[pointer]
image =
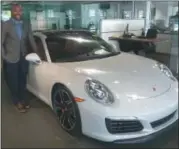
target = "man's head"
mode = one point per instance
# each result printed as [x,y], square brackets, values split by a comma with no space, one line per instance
[16,11]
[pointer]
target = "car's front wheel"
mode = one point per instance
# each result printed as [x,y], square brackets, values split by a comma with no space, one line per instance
[66,110]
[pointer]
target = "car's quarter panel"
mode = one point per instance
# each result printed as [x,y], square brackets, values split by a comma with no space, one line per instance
[43,77]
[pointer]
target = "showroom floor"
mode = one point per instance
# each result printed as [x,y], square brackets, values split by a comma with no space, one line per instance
[39,129]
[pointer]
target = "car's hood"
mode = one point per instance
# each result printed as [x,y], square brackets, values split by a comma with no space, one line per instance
[126,74]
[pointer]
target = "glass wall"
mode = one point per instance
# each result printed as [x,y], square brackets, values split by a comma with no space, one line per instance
[161,12]
[60,15]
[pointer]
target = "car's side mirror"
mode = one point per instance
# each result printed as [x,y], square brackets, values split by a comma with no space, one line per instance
[33,58]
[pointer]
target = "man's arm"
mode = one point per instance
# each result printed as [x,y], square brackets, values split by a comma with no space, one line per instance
[31,39]
[3,38]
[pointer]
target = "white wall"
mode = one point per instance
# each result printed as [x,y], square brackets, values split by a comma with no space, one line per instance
[111,13]
[163,11]
[85,14]
[138,6]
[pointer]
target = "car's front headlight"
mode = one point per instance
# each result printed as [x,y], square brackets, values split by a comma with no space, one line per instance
[166,71]
[99,92]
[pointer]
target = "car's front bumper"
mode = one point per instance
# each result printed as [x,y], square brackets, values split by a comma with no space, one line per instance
[148,138]
[93,119]
[94,126]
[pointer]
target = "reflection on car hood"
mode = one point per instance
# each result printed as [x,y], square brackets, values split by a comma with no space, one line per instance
[129,74]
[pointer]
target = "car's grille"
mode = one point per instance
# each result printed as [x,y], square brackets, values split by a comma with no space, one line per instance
[163,120]
[123,126]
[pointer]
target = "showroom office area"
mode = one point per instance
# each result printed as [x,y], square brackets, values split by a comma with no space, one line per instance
[120,25]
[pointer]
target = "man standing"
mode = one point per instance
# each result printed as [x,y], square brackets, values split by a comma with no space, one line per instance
[16,36]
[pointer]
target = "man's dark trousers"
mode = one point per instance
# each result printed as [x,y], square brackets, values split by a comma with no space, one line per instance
[16,79]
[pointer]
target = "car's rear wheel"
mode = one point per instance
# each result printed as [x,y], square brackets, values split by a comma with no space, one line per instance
[66,110]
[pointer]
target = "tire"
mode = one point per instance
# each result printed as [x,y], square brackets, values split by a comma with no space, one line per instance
[60,106]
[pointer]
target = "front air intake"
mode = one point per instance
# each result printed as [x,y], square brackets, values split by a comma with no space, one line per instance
[163,120]
[123,126]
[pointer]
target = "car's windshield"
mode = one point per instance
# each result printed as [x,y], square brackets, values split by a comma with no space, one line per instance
[78,47]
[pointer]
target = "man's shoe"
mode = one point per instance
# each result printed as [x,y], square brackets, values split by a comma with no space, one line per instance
[20,108]
[27,106]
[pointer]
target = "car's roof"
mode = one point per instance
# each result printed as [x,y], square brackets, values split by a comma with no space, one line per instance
[63,32]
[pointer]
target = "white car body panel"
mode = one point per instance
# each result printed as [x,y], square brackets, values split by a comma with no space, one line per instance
[141,91]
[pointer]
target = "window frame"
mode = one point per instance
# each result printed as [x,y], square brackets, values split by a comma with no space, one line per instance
[43,41]
[67,40]
[46,40]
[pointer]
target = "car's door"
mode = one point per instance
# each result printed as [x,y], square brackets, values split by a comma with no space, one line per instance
[37,73]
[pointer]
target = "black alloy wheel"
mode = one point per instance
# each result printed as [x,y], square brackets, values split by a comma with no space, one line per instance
[66,110]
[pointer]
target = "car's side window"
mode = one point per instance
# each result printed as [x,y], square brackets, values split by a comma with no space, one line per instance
[56,48]
[40,48]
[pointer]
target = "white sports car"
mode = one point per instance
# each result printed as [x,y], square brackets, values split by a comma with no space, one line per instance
[100,92]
